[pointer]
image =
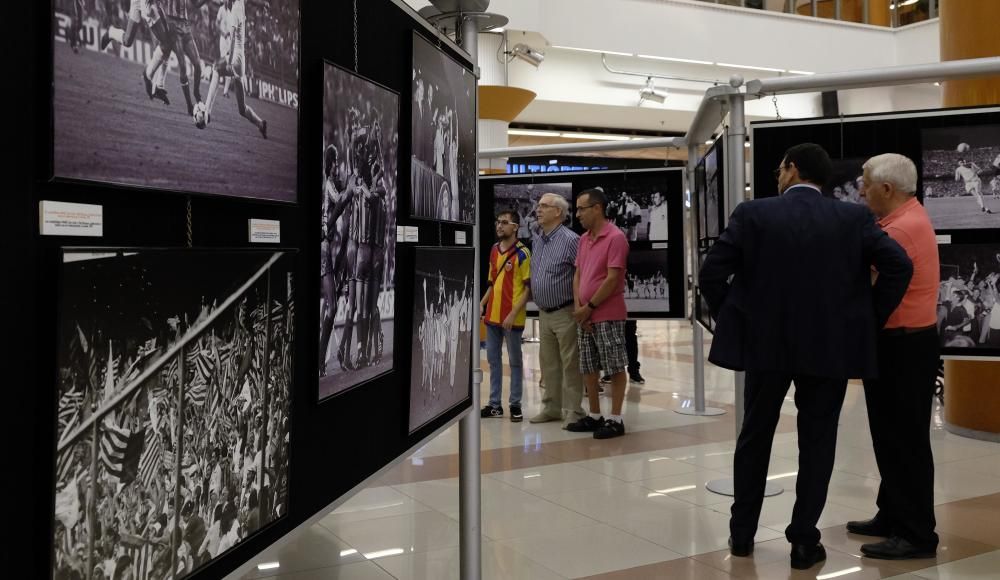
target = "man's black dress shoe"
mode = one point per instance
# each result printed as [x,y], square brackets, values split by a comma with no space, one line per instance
[741,549]
[896,548]
[804,556]
[872,527]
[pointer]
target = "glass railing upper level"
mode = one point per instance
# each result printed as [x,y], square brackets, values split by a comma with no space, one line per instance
[889,13]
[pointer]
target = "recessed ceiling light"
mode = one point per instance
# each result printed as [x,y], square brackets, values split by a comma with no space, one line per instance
[268,565]
[532,133]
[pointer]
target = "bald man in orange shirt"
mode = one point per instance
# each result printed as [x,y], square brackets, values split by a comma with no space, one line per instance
[899,401]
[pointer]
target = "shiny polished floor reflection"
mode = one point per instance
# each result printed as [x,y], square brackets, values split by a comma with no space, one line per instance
[563,505]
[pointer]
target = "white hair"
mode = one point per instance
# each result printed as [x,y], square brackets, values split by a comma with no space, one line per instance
[893,168]
[558,201]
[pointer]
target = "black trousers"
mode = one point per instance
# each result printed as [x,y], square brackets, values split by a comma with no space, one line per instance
[819,401]
[899,415]
[632,347]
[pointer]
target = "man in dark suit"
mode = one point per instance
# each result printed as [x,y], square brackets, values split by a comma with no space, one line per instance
[790,281]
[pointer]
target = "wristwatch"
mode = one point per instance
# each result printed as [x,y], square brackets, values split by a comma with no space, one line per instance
[591,305]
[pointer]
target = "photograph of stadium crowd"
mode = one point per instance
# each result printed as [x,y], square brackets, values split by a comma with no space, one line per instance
[969,296]
[961,176]
[358,233]
[443,172]
[196,96]
[443,320]
[173,386]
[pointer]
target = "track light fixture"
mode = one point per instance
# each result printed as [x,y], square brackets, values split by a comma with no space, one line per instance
[527,54]
[651,93]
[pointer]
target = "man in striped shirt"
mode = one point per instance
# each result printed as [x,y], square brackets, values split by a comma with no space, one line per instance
[503,312]
[553,265]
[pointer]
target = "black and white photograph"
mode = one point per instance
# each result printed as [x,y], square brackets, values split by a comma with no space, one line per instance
[961,176]
[714,189]
[702,312]
[646,287]
[193,96]
[443,322]
[174,376]
[443,172]
[846,182]
[522,198]
[358,242]
[637,204]
[969,296]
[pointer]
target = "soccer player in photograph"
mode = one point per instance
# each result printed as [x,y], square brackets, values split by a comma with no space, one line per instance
[995,186]
[76,26]
[332,250]
[968,172]
[140,11]
[234,64]
[656,229]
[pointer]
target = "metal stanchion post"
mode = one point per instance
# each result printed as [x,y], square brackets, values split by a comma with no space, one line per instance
[736,172]
[697,332]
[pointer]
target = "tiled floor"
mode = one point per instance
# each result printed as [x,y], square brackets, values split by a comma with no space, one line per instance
[562,505]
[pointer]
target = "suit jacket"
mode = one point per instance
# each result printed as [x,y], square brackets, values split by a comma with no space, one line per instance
[790,283]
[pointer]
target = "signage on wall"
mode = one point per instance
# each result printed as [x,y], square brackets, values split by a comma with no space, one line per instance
[265,231]
[57,218]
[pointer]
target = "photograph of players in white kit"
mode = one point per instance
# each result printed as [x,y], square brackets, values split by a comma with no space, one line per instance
[646,287]
[959,175]
[358,241]
[443,172]
[638,206]
[522,198]
[969,296]
[443,320]
[846,181]
[117,114]
[713,204]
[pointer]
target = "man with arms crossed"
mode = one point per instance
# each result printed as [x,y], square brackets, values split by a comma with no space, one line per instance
[899,400]
[599,298]
[552,265]
[789,283]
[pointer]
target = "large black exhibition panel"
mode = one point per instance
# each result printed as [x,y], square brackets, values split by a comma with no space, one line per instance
[216,276]
[646,204]
[957,155]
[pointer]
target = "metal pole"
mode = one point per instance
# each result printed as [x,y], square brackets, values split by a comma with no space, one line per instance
[836,9]
[92,501]
[815,8]
[894,10]
[736,183]
[590,146]
[697,332]
[469,490]
[864,11]
[265,365]
[178,456]
[933,9]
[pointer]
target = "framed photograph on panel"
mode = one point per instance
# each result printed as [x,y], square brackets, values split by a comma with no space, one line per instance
[846,180]
[961,176]
[646,285]
[358,239]
[969,299]
[637,204]
[216,113]
[523,198]
[443,170]
[444,318]
[174,378]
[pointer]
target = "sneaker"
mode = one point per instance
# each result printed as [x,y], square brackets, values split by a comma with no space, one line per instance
[161,94]
[586,424]
[105,40]
[609,428]
[491,411]
[636,378]
[515,414]
[606,380]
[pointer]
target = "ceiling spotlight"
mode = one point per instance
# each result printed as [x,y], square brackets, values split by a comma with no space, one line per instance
[528,54]
[651,93]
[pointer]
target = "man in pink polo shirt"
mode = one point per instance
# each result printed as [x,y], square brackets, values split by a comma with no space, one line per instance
[599,295]
[899,400]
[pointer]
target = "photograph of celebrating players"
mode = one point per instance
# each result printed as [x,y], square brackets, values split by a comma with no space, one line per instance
[443,170]
[846,181]
[969,296]
[638,204]
[443,320]
[522,199]
[960,165]
[646,287]
[358,242]
[174,386]
[194,96]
